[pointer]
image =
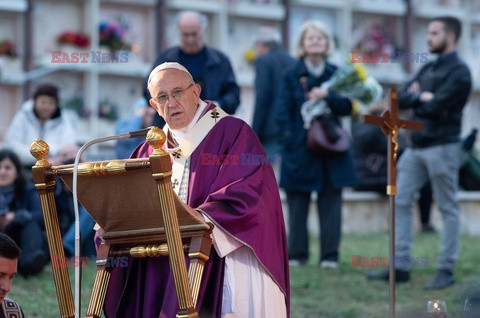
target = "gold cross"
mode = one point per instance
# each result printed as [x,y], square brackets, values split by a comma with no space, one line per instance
[390,124]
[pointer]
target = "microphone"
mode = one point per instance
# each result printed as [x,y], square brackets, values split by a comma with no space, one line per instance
[128,135]
[133,134]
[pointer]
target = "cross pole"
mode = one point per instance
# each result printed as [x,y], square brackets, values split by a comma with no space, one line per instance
[390,124]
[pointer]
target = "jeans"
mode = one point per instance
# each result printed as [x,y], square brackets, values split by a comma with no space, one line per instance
[440,165]
[86,235]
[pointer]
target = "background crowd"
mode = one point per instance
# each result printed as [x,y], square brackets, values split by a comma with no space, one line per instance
[284,84]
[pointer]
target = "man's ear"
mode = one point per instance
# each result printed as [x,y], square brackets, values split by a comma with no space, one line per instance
[153,104]
[452,38]
[198,89]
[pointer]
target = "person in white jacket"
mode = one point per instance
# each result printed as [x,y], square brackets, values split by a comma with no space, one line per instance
[41,117]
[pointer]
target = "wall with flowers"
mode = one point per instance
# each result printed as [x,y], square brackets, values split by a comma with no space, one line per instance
[135,23]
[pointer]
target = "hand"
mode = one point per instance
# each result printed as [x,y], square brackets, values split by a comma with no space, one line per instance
[68,153]
[426,96]
[65,155]
[318,93]
[414,87]
[6,219]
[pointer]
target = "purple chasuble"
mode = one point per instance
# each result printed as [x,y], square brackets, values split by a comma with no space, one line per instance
[233,182]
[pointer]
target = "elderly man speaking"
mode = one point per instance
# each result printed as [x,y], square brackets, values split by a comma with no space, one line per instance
[221,171]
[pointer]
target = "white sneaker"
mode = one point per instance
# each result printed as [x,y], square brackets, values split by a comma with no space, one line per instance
[294,263]
[329,264]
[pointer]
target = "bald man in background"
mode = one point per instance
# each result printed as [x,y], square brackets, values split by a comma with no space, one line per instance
[210,68]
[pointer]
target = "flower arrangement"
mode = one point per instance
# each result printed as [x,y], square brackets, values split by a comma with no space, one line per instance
[249,56]
[8,48]
[375,36]
[350,80]
[112,35]
[77,39]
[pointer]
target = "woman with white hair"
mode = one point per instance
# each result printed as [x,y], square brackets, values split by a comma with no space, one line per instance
[304,171]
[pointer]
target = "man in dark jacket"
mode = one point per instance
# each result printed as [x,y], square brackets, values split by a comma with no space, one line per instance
[437,95]
[272,59]
[209,67]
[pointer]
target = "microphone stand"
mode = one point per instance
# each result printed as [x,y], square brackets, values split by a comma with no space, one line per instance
[78,281]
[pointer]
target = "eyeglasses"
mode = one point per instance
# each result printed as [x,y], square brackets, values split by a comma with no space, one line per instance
[177,94]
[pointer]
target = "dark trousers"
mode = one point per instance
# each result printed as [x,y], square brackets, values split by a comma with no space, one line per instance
[329,208]
[29,238]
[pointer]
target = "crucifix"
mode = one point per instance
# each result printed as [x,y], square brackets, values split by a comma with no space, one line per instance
[391,124]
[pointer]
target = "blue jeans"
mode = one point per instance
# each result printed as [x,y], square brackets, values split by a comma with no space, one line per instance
[274,150]
[86,235]
[440,165]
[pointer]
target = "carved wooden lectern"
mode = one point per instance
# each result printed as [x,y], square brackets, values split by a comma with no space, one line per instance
[134,204]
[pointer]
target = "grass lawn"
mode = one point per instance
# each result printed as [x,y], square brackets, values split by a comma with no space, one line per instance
[317,292]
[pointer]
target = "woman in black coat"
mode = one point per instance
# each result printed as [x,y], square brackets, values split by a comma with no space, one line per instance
[303,171]
[20,212]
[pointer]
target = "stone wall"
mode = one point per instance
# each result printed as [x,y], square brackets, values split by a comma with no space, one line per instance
[367,212]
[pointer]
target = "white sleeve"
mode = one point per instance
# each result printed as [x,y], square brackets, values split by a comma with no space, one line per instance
[223,243]
[15,139]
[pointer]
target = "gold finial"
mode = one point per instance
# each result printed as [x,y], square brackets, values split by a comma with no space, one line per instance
[39,149]
[156,138]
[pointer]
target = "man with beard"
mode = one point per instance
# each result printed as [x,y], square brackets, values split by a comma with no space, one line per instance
[437,95]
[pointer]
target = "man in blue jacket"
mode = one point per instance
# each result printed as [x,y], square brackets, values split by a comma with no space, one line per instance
[209,67]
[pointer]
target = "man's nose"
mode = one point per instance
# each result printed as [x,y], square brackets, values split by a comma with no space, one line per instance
[5,285]
[171,101]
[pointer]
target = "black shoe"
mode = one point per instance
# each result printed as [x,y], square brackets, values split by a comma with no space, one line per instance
[428,228]
[443,279]
[401,276]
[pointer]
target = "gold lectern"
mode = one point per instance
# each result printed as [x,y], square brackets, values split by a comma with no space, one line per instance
[134,204]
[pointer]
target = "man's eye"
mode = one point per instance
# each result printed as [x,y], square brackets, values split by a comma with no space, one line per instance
[176,93]
[162,97]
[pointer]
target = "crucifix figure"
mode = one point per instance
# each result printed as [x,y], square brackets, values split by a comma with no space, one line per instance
[391,124]
[175,183]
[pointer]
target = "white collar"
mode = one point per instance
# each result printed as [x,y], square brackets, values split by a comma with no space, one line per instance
[315,70]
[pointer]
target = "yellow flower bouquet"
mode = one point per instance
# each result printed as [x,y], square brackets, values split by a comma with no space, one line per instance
[352,81]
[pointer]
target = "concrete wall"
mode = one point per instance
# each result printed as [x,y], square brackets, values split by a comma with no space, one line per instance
[367,212]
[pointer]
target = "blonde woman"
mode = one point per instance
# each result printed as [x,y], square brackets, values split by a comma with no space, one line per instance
[303,171]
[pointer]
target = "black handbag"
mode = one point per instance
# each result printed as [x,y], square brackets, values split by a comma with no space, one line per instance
[327,138]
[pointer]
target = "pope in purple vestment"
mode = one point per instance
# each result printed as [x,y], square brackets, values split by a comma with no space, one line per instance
[232,182]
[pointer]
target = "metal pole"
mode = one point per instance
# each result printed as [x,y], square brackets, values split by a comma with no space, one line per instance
[392,256]
[391,192]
